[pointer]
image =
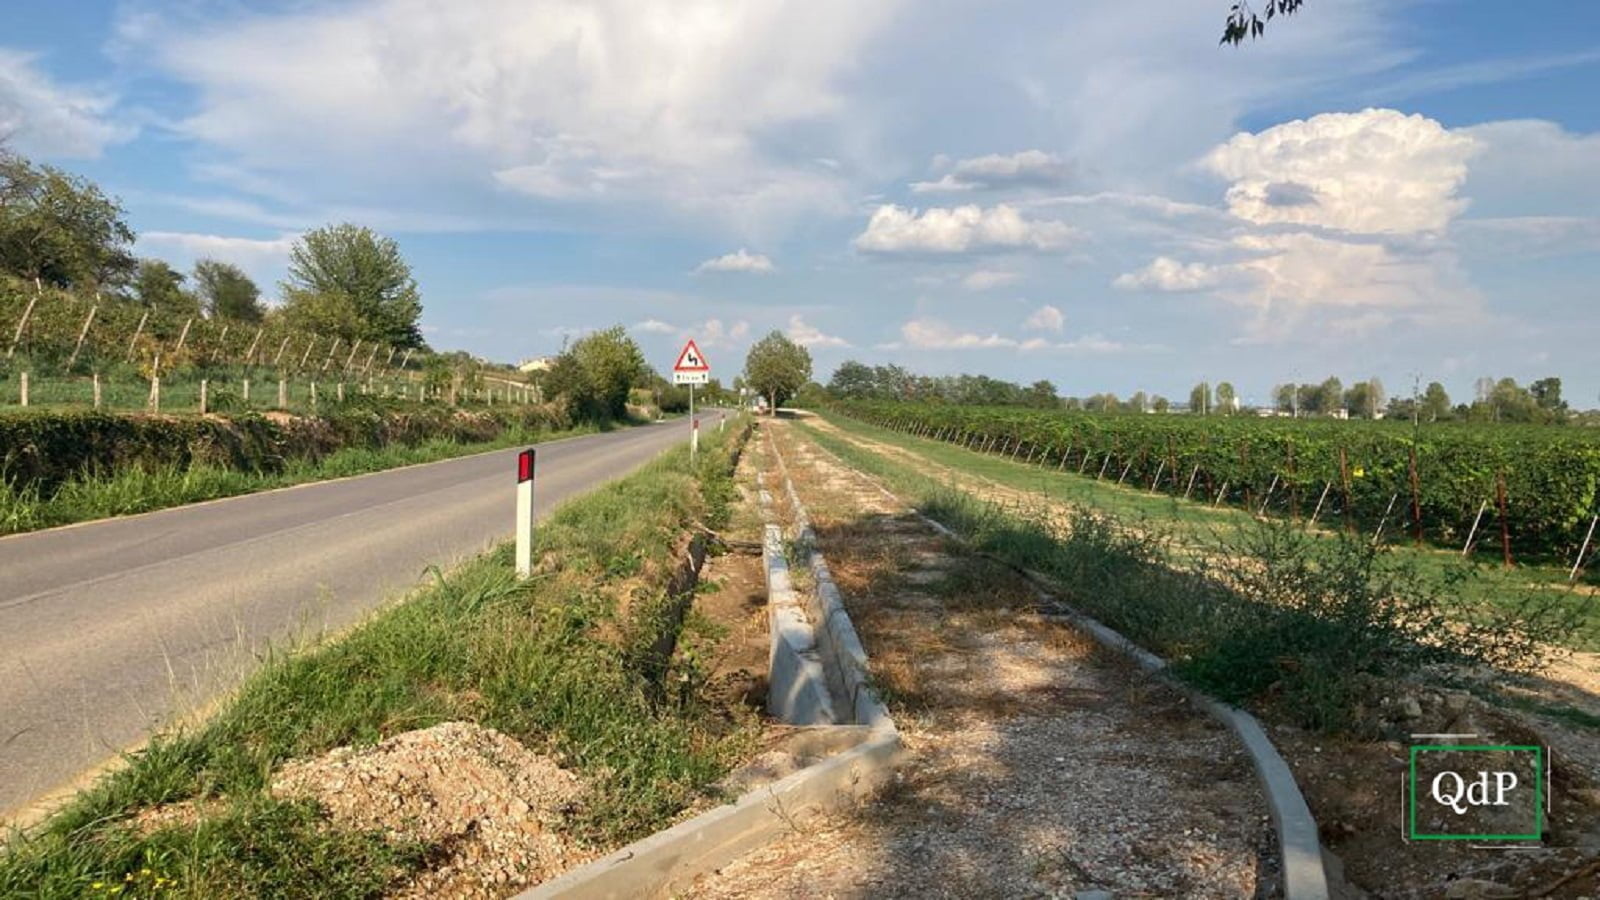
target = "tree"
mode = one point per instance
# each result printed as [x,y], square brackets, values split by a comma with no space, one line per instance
[1243,22]
[1138,402]
[1435,403]
[852,381]
[60,228]
[1042,394]
[160,287]
[354,270]
[1227,398]
[1547,394]
[1160,404]
[226,292]
[1200,398]
[776,367]
[1283,396]
[1329,396]
[594,375]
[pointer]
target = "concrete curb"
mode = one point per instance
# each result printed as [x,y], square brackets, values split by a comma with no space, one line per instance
[837,639]
[672,858]
[1304,877]
[798,693]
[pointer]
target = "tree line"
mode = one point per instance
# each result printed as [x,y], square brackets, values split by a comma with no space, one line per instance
[62,231]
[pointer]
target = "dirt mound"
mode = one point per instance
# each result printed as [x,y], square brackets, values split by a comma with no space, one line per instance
[499,810]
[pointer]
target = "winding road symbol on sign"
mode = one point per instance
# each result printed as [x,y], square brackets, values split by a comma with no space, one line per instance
[691,367]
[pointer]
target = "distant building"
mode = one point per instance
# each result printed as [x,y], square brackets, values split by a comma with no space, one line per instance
[537,364]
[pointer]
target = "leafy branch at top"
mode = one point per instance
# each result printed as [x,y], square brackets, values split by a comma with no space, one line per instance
[1243,21]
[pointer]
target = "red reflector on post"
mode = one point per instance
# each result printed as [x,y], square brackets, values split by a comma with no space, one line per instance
[524,466]
[697,423]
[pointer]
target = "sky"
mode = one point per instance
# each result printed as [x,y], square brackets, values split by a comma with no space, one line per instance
[1090,192]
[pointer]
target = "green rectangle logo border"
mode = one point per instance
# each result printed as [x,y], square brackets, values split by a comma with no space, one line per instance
[1538,793]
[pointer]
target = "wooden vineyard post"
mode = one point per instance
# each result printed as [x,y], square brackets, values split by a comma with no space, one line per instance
[250,351]
[222,339]
[137,330]
[1344,483]
[370,357]
[155,393]
[313,395]
[97,390]
[352,356]
[1294,492]
[22,325]
[283,393]
[277,356]
[24,385]
[203,398]
[1416,498]
[245,393]
[1244,466]
[331,351]
[307,355]
[1505,526]
[339,392]
[82,333]
[183,336]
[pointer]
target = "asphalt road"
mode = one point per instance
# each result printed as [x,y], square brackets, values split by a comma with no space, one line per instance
[110,628]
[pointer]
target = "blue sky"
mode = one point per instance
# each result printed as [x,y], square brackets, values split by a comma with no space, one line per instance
[1090,192]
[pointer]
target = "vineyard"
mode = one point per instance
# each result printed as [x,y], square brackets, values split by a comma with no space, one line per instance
[1523,490]
[65,350]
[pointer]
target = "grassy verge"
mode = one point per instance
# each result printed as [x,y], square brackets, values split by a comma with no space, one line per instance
[140,490]
[1197,527]
[1308,630]
[555,662]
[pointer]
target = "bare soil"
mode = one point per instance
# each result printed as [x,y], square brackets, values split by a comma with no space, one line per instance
[1355,787]
[1036,765]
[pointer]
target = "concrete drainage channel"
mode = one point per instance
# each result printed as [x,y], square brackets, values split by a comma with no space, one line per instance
[817,679]
[1306,864]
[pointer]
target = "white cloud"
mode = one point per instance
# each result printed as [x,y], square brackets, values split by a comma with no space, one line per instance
[655,326]
[984,279]
[1045,318]
[1167,274]
[715,333]
[558,101]
[264,260]
[50,119]
[1029,168]
[1374,171]
[932,334]
[961,229]
[810,336]
[740,260]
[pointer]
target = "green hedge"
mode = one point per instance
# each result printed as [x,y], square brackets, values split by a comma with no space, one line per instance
[45,449]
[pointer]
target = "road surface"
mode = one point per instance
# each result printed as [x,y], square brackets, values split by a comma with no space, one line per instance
[109,628]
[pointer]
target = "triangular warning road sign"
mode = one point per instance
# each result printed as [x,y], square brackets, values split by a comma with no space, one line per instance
[691,360]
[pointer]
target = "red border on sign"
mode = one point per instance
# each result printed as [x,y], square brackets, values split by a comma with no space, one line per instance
[705,366]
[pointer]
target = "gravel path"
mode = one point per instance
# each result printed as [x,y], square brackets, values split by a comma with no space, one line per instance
[1037,766]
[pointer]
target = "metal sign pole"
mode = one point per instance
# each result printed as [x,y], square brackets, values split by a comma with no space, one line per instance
[694,427]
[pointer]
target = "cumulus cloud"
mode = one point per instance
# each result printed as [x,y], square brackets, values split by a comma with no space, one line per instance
[810,336]
[655,326]
[1374,171]
[265,260]
[1167,274]
[716,333]
[984,279]
[932,334]
[1029,168]
[1045,318]
[559,101]
[51,119]
[740,260]
[962,229]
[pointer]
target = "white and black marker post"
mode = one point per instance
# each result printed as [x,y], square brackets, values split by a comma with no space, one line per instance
[525,469]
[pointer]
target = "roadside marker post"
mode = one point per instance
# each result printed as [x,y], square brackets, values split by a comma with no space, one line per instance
[525,471]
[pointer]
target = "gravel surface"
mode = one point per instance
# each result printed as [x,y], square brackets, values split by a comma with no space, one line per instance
[500,809]
[1037,766]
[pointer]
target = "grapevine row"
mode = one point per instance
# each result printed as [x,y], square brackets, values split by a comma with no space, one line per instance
[1528,489]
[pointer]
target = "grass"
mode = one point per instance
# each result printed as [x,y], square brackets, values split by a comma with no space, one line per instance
[140,490]
[1306,629]
[1194,526]
[552,661]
